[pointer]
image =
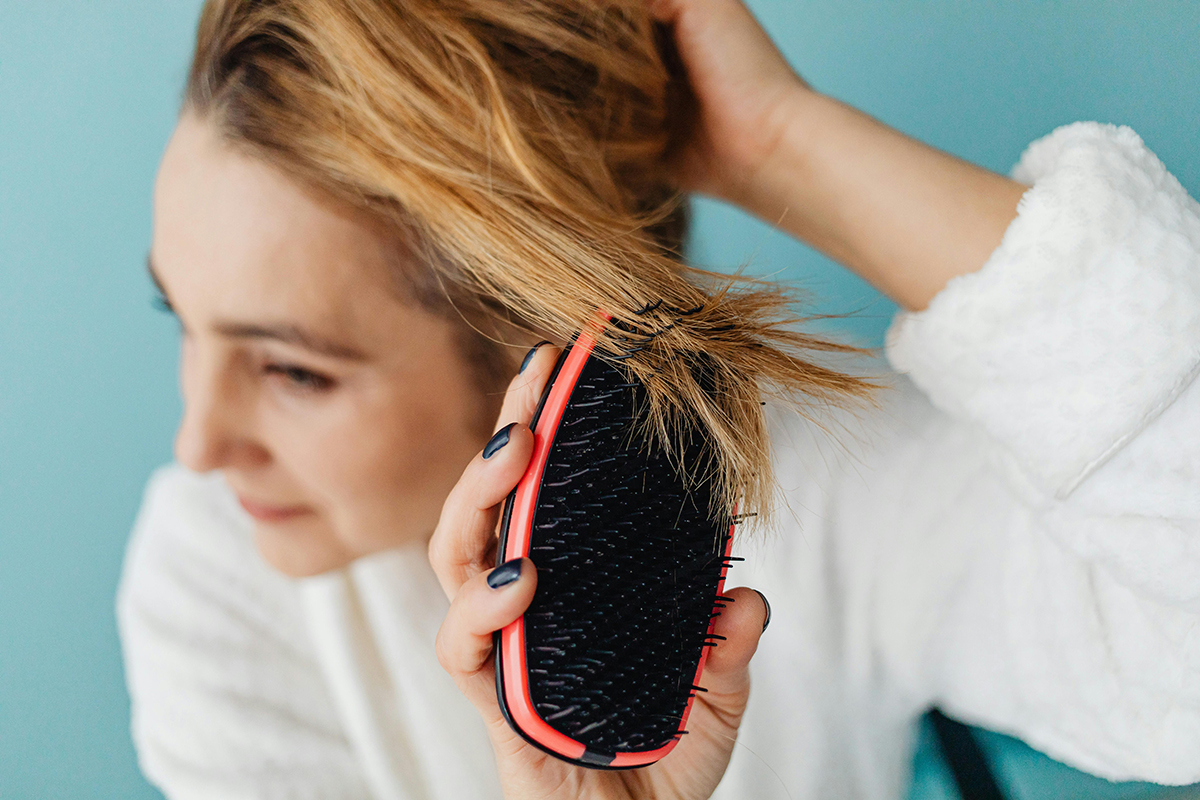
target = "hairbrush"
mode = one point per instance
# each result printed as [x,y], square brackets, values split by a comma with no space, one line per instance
[602,669]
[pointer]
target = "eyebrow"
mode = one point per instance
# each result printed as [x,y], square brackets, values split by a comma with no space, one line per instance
[282,332]
[290,334]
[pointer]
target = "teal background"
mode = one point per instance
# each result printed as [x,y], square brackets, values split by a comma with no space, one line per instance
[88,403]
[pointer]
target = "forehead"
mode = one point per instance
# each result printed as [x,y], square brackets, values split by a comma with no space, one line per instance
[236,233]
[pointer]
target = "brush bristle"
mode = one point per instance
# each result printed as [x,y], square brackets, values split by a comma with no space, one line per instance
[629,560]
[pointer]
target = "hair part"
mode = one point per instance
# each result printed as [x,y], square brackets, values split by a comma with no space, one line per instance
[521,151]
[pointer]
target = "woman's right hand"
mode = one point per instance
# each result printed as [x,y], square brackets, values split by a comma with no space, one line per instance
[900,214]
[462,550]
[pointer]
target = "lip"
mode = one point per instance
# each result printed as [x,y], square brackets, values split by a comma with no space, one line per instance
[264,512]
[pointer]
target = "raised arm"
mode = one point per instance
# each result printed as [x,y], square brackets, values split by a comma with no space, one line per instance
[1028,557]
[904,216]
[1067,368]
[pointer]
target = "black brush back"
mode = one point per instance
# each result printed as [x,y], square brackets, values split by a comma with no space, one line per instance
[630,560]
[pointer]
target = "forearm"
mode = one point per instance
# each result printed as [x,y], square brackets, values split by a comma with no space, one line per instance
[904,216]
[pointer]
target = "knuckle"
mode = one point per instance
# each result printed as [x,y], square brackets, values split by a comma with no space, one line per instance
[438,552]
[455,498]
[443,651]
[442,541]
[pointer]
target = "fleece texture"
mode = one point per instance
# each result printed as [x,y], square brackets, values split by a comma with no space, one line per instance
[1014,535]
[1085,322]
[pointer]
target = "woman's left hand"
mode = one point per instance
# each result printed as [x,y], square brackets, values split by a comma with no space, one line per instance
[462,550]
[744,90]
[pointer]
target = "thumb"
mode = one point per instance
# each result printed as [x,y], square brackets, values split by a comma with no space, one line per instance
[701,758]
[726,679]
[742,622]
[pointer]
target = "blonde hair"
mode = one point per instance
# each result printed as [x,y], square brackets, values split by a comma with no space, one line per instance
[520,148]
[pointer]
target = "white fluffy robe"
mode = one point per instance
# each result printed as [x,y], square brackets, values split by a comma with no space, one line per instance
[1014,536]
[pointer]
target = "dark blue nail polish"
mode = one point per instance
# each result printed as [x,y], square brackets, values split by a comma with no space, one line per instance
[530,354]
[498,440]
[766,621]
[506,573]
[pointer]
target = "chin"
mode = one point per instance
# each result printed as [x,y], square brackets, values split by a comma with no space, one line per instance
[300,551]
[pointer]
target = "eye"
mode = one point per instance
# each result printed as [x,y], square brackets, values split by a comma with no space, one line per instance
[300,378]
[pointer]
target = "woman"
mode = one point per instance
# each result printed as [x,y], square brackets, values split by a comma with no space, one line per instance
[369,210]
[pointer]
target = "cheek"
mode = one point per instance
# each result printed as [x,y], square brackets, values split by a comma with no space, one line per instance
[383,466]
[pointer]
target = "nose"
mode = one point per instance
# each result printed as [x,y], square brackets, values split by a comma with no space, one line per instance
[216,430]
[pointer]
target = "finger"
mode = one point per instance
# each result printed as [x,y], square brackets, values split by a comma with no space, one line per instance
[726,678]
[717,711]
[728,27]
[484,604]
[741,623]
[525,389]
[662,10]
[463,542]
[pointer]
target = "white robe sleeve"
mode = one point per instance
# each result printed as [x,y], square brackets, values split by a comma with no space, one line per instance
[1073,354]
[227,699]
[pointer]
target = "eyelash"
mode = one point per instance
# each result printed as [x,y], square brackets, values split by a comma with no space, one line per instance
[300,378]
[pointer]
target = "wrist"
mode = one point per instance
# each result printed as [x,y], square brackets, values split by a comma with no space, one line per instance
[904,216]
[766,185]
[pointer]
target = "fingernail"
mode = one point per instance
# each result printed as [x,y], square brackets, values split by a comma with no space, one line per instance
[505,574]
[530,354]
[498,440]
[766,621]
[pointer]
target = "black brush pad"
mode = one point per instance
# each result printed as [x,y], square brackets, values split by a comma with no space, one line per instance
[629,560]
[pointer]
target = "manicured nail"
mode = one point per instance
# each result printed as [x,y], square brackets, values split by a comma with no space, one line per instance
[505,574]
[498,440]
[530,354]
[766,621]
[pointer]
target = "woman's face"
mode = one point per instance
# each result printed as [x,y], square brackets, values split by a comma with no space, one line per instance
[339,413]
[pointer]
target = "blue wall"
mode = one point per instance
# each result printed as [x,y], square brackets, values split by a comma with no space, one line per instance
[88,93]
[88,403]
